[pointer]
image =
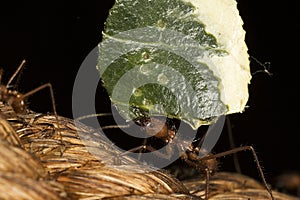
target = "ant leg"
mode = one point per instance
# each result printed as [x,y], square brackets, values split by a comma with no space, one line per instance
[52,100]
[41,88]
[244,148]
[207,172]
[149,148]
[144,148]
[201,167]
[102,115]
[139,148]
[117,160]
[114,126]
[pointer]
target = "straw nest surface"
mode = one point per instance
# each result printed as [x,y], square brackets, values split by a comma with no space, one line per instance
[40,159]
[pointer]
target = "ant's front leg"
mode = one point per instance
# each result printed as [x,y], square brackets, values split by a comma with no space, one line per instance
[139,150]
[145,147]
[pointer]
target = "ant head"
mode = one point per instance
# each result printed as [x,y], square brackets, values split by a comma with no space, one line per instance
[158,127]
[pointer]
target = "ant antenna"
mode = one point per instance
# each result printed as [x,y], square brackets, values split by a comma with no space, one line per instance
[15,74]
[266,67]
[93,115]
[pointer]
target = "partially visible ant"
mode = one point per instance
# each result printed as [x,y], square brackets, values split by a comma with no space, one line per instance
[166,131]
[16,99]
[207,164]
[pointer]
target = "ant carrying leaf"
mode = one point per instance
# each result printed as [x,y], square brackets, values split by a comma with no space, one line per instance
[166,132]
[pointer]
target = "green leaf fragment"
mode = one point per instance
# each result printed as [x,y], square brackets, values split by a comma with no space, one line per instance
[170,14]
[157,58]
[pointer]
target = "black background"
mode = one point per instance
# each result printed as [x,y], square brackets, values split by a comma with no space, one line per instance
[55,37]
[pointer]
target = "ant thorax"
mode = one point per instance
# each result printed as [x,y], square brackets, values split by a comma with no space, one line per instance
[12,98]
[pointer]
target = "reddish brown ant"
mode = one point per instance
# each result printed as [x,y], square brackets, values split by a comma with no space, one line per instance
[16,99]
[207,164]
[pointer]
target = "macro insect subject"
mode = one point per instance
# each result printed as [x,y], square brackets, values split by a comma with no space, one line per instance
[16,99]
[165,131]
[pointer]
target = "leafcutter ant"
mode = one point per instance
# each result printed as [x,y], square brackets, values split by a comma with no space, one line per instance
[206,164]
[166,131]
[17,100]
